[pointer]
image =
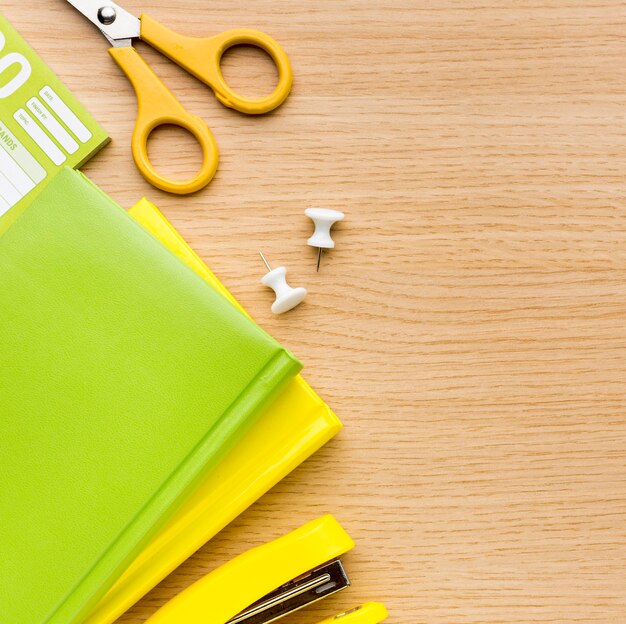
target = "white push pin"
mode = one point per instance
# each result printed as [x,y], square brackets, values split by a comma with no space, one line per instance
[324,219]
[287,297]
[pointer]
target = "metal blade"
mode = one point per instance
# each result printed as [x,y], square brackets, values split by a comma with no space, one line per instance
[118,25]
[305,590]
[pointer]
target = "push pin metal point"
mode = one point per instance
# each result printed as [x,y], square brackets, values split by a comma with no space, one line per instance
[324,219]
[287,297]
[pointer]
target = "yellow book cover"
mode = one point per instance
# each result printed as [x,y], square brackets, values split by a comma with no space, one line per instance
[292,428]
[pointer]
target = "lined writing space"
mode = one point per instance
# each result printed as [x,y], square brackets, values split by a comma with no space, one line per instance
[50,123]
[50,97]
[9,192]
[19,170]
[4,207]
[14,183]
[36,133]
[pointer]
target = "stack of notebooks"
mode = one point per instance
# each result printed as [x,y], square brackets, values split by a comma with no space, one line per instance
[141,410]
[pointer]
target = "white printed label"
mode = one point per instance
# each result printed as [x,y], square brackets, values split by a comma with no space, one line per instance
[15,174]
[64,113]
[4,207]
[15,183]
[39,136]
[9,193]
[24,159]
[51,124]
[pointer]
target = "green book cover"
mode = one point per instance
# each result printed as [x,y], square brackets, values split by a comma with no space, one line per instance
[43,127]
[123,378]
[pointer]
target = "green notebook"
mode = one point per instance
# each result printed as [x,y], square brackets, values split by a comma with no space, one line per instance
[123,379]
[43,127]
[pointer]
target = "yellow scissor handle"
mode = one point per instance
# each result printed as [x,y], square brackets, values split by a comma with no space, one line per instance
[202,58]
[158,107]
[238,584]
[368,613]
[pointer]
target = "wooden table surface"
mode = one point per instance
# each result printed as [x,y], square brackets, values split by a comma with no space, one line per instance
[469,328]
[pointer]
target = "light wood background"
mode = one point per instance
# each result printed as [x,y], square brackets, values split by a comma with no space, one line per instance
[469,328]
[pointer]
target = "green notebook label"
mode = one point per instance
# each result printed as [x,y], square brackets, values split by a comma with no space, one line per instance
[43,127]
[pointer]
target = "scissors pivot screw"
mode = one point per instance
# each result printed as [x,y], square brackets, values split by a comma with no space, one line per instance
[107,15]
[287,297]
[324,219]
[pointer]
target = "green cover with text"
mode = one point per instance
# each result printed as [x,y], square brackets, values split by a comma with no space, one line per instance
[43,127]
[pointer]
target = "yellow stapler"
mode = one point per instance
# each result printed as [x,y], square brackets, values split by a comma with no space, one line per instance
[272,581]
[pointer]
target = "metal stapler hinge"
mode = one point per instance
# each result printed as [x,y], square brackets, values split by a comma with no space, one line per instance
[306,589]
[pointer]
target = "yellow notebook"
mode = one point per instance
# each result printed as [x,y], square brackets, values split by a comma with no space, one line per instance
[292,428]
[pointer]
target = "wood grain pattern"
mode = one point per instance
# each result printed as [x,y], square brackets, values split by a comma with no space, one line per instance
[469,328]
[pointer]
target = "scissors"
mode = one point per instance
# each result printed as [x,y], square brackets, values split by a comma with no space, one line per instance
[201,57]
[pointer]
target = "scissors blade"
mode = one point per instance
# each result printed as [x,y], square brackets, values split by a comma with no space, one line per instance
[118,25]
